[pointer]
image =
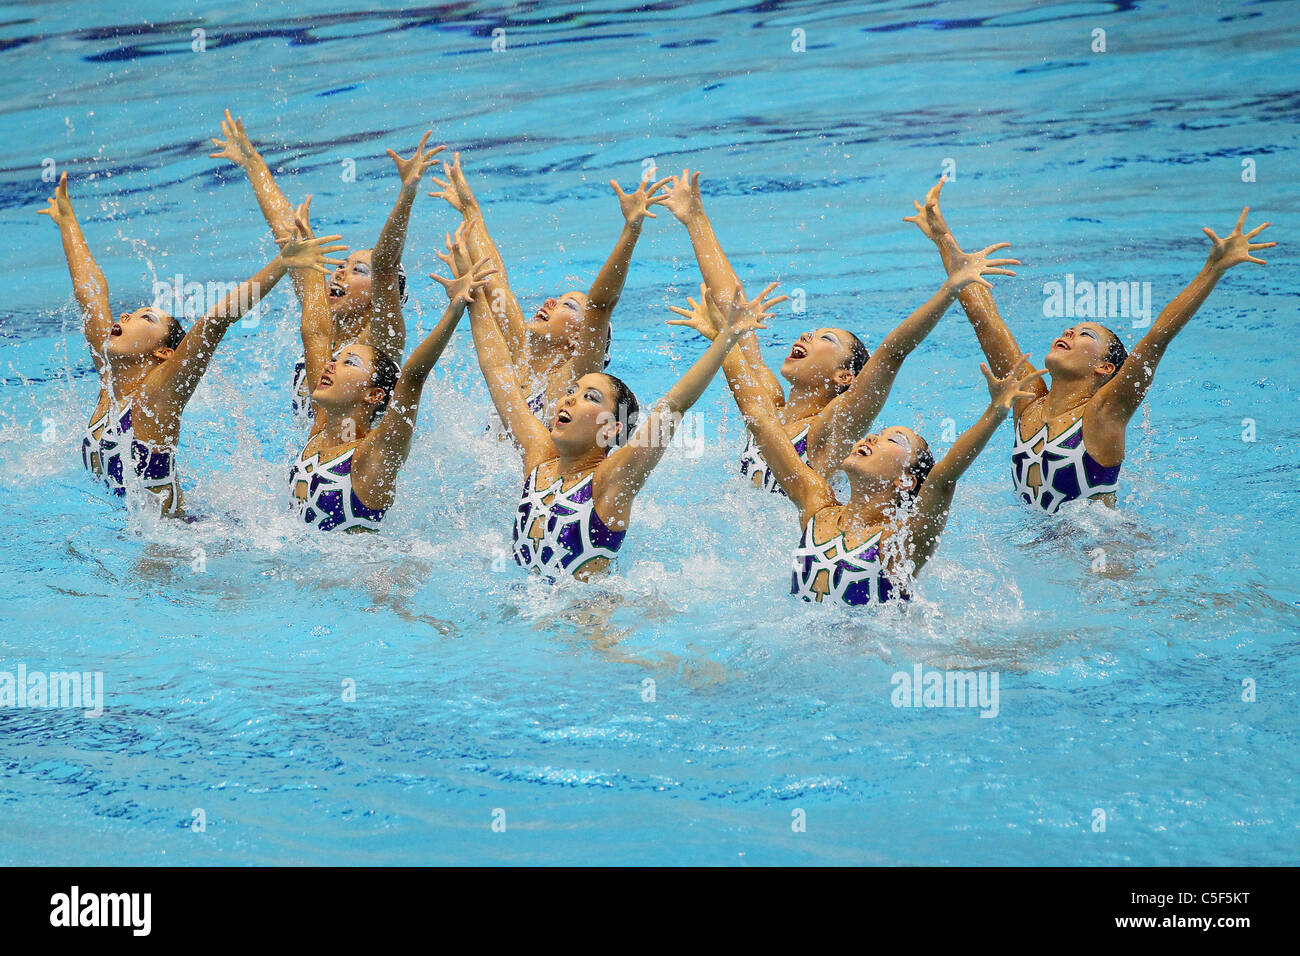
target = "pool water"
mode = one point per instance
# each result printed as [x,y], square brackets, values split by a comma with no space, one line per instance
[686,709]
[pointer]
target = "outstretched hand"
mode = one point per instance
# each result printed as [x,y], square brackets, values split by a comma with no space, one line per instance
[703,316]
[636,205]
[965,268]
[411,170]
[467,279]
[304,251]
[60,206]
[1236,248]
[1005,391]
[455,189]
[683,199]
[928,218]
[740,315]
[236,147]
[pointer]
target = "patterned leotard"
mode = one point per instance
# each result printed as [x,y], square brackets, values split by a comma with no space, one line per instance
[826,573]
[1049,473]
[106,447]
[557,532]
[753,467]
[323,492]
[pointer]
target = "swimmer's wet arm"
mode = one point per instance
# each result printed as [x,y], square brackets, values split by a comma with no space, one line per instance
[805,487]
[995,338]
[686,203]
[936,493]
[1120,397]
[607,287]
[630,466]
[317,325]
[387,328]
[501,300]
[174,381]
[503,385]
[276,208]
[88,282]
[848,416]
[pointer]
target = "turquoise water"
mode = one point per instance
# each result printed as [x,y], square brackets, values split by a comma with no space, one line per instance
[225,644]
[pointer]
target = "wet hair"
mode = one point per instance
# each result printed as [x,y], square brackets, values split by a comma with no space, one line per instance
[1115,353]
[175,332]
[920,469]
[385,377]
[626,409]
[858,355]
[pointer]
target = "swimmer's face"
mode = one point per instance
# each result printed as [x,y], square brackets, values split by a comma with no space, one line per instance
[585,417]
[351,284]
[819,356]
[1080,351]
[886,457]
[559,318]
[347,380]
[139,333]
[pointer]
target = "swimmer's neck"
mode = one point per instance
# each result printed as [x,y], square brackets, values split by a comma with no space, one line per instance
[348,326]
[126,376]
[1066,395]
[868,507]
[344,426]
[545,356]
[806,400]
[580,462]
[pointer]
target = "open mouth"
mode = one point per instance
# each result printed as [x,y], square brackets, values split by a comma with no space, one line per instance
[115,330]
[563,418]
[541,315]
[863,450]
[325,379]
[1061,344]
[336,291]
[798,351]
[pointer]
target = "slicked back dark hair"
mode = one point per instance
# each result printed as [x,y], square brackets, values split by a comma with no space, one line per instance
[920,469]
[1115,353]
[175,332]
[384,376]
[626,409]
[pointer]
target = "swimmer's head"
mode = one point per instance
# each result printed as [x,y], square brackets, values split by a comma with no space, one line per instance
[358,377]
[351,285]
[558,320]
[599,411]
[1086,350]
[146,332]
[894,458]
[832,356]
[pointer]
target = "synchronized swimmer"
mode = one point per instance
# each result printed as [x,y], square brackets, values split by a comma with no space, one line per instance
[586,445]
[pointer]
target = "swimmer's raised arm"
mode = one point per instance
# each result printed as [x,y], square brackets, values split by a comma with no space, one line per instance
[387,329]
[276,208]
[88,282]
[605,291]
[501,300]
[995,338]
[839,425]
[169,387]
[511,403]
[935,496]
[705,317]
[1120,397]
[317,320]
[685,202]
[383,450]
[621,475]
